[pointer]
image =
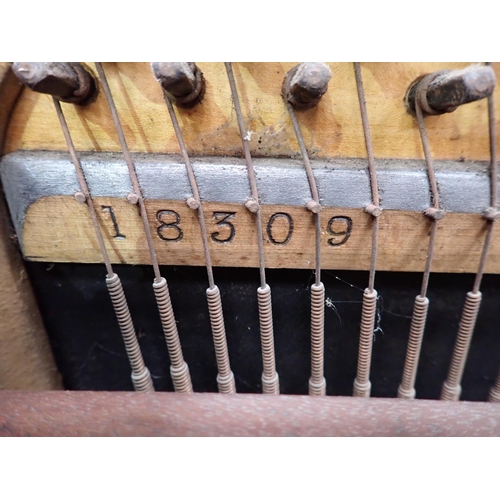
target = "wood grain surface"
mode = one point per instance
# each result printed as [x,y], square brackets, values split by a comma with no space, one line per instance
[57,229]
[26,360]
[332,129]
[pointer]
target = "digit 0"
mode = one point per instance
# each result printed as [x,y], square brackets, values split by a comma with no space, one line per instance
[270,224]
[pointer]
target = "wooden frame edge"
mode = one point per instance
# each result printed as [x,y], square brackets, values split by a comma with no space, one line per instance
[82,413]
[26,359]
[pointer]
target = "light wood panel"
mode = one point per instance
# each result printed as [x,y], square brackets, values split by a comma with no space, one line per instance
[332,129]
[57,229]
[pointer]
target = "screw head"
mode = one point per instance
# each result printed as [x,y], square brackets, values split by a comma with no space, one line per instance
[68,82]
[305,84]
[182,82]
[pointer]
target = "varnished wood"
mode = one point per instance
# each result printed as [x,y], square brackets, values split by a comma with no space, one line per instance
[168,414]
[26,360]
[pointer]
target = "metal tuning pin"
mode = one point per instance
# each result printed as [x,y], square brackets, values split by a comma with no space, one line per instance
[305,84]
[182,82]
[443,91]
[303,87]
[66,81]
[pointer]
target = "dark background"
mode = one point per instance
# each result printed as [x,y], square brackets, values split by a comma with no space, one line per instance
[90,353]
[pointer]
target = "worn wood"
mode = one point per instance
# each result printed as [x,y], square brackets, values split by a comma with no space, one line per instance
[10,91]
[169,414]
[26,360]
[57,229]
[332,129]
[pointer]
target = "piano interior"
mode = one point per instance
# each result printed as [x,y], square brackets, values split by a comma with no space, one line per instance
[322,231]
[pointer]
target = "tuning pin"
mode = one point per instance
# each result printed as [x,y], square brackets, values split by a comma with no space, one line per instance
[443,91]
[305,84]
[182,82]
[67,81]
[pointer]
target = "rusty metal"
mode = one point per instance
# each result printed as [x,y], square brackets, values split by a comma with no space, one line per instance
[252,203]
[451,387]
[317,381]
[270,379]
[182,82]
[303,87]
[66,81]
[368,140]
[141,377]
[312,186]
[362,384]
[493,150]
[66,413]
[194,201]
[225,377]
[179,371]
[433,212]
[492,213]
[131,170]
[305,84]
[443,91]
[178,367]
[406,389]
